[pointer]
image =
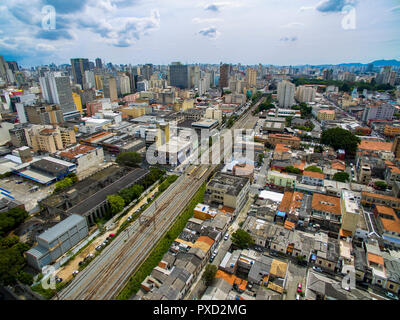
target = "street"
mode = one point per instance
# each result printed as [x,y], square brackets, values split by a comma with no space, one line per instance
[296,274]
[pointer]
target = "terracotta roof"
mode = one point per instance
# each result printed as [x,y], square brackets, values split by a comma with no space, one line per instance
[284,136]
[281,148]
[289,225]
[338,165]
[327,111]
[385,210]
[375,259]
[379,196]
[325,203]
[391,225]
[278,268]
[79,149]
[232,279]
[389,163]
[394,169]
[291,201]
[375,145]
[312,174]
[206,239]
[345,233]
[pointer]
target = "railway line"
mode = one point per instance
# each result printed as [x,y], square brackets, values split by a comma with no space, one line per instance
[110,271]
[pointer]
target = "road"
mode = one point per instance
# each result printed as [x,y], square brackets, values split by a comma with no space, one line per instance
[296,274]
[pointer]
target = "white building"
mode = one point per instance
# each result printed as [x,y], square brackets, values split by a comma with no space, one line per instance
[305,94]
[286,94]
[89,80]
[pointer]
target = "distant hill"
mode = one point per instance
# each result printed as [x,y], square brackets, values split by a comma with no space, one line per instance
[376,63]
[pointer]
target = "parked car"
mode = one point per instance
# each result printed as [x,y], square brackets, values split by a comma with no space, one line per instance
[297,297]
[58,280]
[273,254]
[318,269]
[80,263]
[18,181]
[75,273]
[215,252]
[299,287]
[226,237]
[111,235]
[98,248]
[391,295]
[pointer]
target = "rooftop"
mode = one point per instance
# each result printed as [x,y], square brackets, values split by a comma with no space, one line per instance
[316,175]
[375,145]
[60,228]
[325,203]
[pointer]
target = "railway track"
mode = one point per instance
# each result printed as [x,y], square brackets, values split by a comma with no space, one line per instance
[107,274]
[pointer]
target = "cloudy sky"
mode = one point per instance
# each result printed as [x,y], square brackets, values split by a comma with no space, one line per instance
[281,32]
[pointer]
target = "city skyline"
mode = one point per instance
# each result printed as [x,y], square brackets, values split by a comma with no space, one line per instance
[285,32]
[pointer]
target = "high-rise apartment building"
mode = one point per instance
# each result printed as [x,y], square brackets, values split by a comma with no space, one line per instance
[251,76]
[99,64]
[305,94]
[79,66]
[110,88]
[147,71]
[179,75]
[124,84]
[3,69]
[224,72]
[384,111]
[56,89]
[286,94]
[46,114]
[90,81]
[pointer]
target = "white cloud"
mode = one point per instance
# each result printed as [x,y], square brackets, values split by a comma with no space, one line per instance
[206,20]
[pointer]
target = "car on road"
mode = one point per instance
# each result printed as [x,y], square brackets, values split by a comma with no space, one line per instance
[273,254]
[111,235]
[297,297]
[58,280]
[226,237]
[75,273]
[318,269]
[18,181]
[98,248]
[299,287]
[215,252]
[391,296]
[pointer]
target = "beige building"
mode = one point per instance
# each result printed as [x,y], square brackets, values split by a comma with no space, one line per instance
[351,214]
[134,112]
[228,190]
[50,139]
[326,115]
[251,77]
[305,94]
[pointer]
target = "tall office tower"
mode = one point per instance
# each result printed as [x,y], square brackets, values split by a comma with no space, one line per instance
[110,88]
[147,71]
[195,76]
[131,81]
[13,65]
[3,69]
[99,64]
[124,84]
[179,75]
[328,74]
[286,94]
[79,66]
[90,81]
[56,89]
[224,72]
[251,77]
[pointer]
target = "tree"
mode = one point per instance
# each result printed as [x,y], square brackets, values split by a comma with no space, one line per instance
[380,185]
[291,169]
[12,261]
[116,202]
[11,219]
[209,274]
[242,239]
[260,159]
[341,177]
[339,138]
[313,169]
[130,159]
[289,121]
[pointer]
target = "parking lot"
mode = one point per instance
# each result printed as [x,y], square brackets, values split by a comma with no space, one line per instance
[21,191]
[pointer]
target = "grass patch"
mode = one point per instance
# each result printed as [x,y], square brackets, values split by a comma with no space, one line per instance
[161,248]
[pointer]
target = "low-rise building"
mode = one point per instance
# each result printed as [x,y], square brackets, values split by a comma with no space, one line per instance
[285,139]
[313,178]
[326,212]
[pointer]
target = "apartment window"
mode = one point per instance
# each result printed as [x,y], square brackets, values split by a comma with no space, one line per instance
[390,286]
[379,281]
[320,262]
[329,265]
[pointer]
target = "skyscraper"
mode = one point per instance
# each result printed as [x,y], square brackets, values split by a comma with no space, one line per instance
[56,89]
[224,75]
[179,75]
[110,88]
[286,94]
[251,77]
[147,71]
[79,66]
[3,69]
[99,64]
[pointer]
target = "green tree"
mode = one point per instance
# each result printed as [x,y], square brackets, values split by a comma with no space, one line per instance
[341,177]
[260,159]
[209,274]
[116,202]
[11,219]
[130,159]
[339,138]
[12,261]
[380,185]
[289,121]
[313,169]
[291,169]
[242,239]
